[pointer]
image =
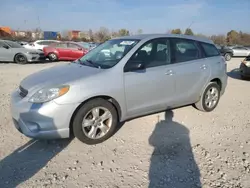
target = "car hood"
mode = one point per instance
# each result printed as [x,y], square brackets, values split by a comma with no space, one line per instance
[58,75]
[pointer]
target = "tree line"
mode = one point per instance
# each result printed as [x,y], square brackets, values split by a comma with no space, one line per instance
[232,37]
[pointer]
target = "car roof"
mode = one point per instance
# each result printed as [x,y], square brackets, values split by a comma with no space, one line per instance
[152,36]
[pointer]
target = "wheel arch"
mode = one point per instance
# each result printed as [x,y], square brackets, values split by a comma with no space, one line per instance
[108,98]
[218,81]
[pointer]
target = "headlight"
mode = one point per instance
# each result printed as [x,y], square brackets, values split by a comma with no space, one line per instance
[48,94]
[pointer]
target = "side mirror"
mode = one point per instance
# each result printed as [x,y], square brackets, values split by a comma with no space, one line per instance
[80,49]
[134,66]
[6,47]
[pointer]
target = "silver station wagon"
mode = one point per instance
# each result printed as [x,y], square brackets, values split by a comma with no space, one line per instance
[120,79]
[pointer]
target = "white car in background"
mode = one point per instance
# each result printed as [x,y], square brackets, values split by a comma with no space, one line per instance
[39,44]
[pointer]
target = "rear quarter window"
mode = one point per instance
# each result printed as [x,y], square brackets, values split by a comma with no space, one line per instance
[210,50]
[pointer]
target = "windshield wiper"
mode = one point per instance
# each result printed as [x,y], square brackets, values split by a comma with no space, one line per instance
[93,64]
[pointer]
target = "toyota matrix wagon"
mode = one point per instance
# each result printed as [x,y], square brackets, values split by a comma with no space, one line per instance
[139,75]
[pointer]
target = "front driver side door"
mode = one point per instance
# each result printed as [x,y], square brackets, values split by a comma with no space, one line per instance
[152,89]
[75,51]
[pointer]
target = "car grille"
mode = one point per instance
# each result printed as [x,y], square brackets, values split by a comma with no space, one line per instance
[23,92]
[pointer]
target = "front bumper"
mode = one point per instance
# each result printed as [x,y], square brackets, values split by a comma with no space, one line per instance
[35,58]
[244,70]
[43,121]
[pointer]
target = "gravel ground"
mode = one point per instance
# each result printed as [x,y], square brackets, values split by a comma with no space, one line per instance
[180,148]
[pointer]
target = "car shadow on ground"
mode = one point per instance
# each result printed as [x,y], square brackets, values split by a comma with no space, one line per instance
[235,74]
[172,163]
[27,160]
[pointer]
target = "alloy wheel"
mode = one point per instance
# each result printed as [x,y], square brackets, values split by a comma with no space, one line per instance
[97,122]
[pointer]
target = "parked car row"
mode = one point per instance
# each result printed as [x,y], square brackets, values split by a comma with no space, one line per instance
[234,51]
[14,52]
[22,53]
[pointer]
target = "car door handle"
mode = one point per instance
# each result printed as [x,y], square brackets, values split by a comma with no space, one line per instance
[169,72]
[203,67]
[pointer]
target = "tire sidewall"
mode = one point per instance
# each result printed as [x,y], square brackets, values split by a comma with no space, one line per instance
[212,84]
[77,122]
[21,63]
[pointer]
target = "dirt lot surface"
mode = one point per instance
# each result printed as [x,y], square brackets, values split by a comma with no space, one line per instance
[180,148]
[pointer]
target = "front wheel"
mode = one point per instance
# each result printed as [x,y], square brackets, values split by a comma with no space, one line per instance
[210,98]
[95,121]
[228,56]
[20,59]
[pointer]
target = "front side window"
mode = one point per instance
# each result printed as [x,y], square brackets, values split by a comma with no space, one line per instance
[210,50]
[2,44]
[109,53]
[185,50]
[153,54]
[14,44]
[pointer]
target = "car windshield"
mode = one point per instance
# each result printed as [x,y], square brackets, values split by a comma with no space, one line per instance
[108,54]
[14,44]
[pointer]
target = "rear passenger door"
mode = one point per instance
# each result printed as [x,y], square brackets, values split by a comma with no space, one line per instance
[191,70]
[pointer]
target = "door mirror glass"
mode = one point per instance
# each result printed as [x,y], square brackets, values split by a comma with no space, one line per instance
[134,65]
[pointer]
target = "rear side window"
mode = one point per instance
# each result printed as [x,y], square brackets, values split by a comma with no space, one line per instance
[210,50]
[185,50]
[61,45]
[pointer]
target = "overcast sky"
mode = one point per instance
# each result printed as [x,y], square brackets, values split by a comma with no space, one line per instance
[152,16]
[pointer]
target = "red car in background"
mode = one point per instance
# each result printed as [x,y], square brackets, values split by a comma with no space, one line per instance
[65,51]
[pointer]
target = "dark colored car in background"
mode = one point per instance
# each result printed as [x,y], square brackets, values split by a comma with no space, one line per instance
[245,68]
[65,51]
[226,52]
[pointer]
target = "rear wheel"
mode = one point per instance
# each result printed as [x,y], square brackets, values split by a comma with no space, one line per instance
[228,56]
[95,121]
[20,59]
[210,98]
[52,57]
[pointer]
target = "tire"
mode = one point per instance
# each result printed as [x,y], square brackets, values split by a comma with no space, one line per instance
[52,57]
[228,56]
[202,105]
[85,114]
[20,59]
[243,77]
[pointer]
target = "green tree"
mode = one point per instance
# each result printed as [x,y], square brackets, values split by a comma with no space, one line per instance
[189,32]
[102,35]
[233,37]
[176,31]
[123,32]
[139,31]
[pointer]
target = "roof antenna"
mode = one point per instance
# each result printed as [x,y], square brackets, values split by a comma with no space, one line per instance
[190,25]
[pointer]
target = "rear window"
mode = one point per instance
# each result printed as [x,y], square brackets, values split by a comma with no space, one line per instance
[210,50]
